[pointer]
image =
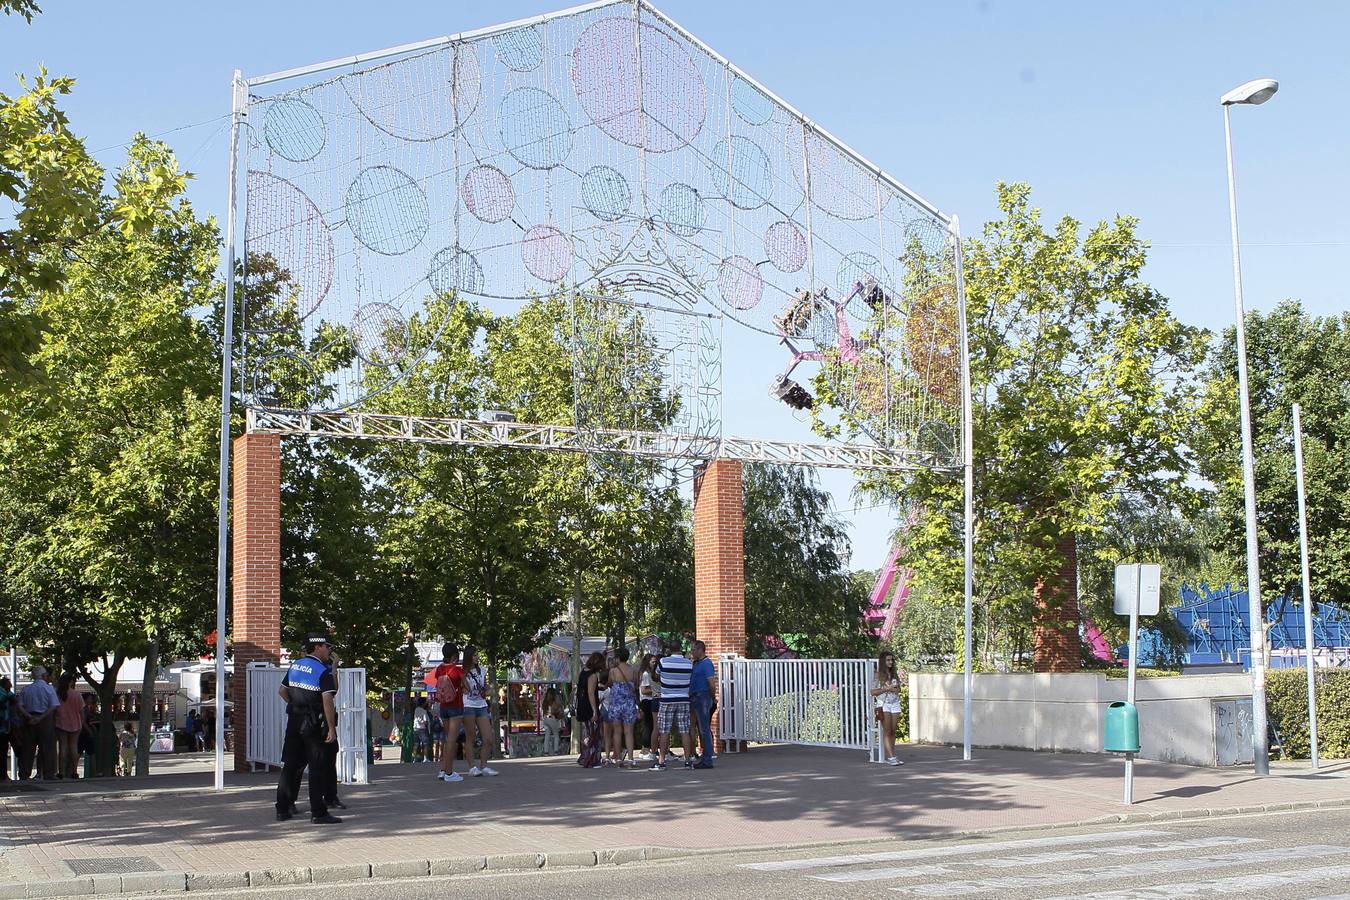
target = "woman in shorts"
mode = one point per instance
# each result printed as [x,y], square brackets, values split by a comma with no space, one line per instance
[886,685]
[477,716]
[647,693]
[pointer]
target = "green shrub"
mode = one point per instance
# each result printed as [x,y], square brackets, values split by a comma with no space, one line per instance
[1287,708]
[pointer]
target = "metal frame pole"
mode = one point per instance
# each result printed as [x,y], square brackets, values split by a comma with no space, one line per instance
[1129,684]
[1260,739]
[239,109]
[1307,587]
[968,466]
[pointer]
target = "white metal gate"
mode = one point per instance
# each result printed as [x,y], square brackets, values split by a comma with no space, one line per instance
[813,702]
[266,725]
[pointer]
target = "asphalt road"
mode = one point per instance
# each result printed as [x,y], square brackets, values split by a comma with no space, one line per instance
[1289,855]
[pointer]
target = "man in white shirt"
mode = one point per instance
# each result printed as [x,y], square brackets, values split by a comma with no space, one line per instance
[37,708]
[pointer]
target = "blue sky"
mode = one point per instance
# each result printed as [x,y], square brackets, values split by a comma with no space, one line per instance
[1102,108]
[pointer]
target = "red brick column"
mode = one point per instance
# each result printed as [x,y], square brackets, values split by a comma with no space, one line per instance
[256,621]
[1055,619]
[719,559]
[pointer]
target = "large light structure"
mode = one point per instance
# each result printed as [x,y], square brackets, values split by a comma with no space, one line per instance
[1252,93]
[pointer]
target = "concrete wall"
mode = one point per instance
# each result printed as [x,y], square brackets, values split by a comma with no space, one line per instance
[1067,712]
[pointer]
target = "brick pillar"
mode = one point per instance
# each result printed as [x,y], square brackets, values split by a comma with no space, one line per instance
[719,560]
[256,552]
[1055,619]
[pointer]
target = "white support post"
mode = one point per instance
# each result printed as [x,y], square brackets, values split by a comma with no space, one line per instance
[1307,587]
[239,109]
[968,467]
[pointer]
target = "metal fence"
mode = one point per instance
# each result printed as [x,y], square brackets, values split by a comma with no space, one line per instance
[266,721]
[812,702]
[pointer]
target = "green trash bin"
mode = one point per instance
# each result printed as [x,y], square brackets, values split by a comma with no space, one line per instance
[1122,728]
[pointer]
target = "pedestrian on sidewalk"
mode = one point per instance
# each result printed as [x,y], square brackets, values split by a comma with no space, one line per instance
[674,671]
[647,690]
[623,708]
[437,737]
[69,720]
[449,680]
[886,686]
[588,703]
[703,701]
[550,719]
[477,715]
[126,750]
[37,706]
[9,726]
[421,731]
[309,691]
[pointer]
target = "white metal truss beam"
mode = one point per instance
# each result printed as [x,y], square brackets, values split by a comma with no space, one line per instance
[567,439]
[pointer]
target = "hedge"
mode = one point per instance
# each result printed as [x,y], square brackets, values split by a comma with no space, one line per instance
[1287,708]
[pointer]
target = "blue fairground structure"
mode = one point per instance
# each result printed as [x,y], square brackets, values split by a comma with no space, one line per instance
[1218,631]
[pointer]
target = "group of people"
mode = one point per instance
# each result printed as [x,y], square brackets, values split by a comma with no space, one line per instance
[671,693]
[460,696]
[48,727]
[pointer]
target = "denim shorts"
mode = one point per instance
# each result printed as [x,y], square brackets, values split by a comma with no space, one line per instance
[481,712]
[451,712]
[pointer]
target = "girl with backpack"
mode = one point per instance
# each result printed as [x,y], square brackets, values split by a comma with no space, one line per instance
[448,678]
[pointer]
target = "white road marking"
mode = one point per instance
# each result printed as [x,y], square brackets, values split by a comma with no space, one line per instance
[825,862]
[1236,884]
[1129,870]
[1039,859]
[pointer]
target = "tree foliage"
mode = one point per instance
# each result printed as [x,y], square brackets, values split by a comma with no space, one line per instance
[1082,392]
[1291,358]
[796,565]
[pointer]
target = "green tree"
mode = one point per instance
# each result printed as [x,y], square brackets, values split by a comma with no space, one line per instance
[796,577]
[1083,392]
[108,479]
[56,189]
[1291,358]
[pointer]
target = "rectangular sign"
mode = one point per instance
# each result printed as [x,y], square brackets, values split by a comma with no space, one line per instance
[1143,578]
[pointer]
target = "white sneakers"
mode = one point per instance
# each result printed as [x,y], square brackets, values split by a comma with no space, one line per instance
[893,761]
[486,770]
[453,776]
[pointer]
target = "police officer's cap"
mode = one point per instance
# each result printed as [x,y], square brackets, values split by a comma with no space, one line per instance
[317,637]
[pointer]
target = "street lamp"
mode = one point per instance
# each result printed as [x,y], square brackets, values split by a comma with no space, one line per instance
[1253,93]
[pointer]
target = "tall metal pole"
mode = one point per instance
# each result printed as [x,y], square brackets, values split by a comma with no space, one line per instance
[968,465]
[239,109]
[1307,588]
[1260,739]
[1129,684]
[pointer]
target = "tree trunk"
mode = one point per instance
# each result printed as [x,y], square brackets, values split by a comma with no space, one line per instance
[105,747]
[1056,616]
[147,707]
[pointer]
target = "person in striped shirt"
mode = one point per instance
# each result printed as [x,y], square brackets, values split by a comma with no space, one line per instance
[674,671]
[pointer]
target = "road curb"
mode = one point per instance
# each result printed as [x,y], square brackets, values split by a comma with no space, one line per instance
[387,870]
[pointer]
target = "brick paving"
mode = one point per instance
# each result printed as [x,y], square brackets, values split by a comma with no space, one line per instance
[770,795]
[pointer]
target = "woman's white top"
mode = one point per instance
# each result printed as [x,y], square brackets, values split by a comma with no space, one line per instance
[475,686]
[645,687]
[891,696]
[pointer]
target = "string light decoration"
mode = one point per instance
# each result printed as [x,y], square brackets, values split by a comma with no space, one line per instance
[607,155]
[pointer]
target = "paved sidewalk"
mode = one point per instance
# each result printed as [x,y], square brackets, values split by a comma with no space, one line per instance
[769,796]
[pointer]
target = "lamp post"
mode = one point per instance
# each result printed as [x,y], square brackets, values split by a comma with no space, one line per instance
[1253,93]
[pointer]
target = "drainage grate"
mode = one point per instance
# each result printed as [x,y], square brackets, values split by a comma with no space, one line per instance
[113,865]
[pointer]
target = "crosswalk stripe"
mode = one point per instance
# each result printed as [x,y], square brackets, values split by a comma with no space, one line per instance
[826,862]
[1109,873]
[1037,859]
[1234,884]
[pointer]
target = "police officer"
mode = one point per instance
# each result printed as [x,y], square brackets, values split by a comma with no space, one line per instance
[309,689]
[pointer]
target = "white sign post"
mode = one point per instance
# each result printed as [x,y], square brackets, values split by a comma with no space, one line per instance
[1138,592]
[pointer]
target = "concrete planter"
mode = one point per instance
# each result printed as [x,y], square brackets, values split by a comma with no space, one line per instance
[1188,719]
